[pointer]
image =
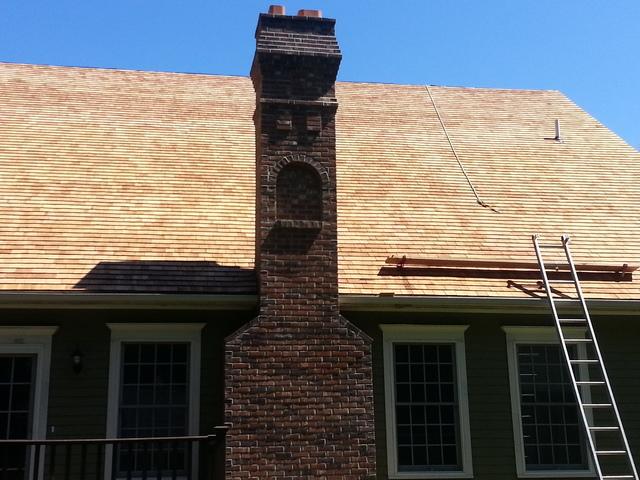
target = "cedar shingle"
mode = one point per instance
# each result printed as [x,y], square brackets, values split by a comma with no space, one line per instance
[114,180]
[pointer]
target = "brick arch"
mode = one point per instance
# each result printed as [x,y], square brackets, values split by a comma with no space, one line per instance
[322,171]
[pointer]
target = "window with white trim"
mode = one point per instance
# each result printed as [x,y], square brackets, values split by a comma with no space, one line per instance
[427,412]
[549,437]
[154,390]
[25,359]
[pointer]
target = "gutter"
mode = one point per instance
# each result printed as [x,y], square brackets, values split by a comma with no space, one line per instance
[540,306]
[140,301]
[348,303]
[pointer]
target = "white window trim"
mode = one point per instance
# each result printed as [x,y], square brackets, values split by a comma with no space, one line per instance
[153,332]
[426,334]
[544,336]
[37,341]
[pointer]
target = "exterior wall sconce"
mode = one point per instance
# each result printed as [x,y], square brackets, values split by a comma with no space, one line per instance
[76,358]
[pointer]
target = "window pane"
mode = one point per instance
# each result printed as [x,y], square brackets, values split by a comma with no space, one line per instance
[6,365]
[22,369]
[402,373]
[426,408]
[549,415]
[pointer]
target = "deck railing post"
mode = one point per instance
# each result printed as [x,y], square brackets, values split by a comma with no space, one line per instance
[36,462]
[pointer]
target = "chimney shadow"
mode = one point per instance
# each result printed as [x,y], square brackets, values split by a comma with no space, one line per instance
[167,276]
[289,241]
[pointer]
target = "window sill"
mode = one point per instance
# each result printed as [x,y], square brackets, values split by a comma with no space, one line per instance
[558,474]
[153,477]
[299,224]
[428,475]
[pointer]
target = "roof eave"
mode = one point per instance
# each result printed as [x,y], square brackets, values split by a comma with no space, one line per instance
[140,301]
[472,304]
[348,303]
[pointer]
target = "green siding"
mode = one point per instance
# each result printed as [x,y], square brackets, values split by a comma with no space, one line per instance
[488,380]
[78,402]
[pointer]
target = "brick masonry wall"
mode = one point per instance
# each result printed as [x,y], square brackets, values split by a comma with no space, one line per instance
[299,389]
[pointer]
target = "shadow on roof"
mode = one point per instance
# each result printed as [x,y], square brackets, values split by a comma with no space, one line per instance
[162,276]
[507,274]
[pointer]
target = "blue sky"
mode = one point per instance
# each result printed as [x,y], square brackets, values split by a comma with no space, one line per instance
[588,49]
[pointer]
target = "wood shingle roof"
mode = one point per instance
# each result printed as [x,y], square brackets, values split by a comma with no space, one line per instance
[131,181]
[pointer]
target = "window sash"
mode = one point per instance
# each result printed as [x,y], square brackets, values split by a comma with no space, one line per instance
[452,335]
[35,342]
[548,438]
[156,333]
[149,406]
[16,409]
[536,336]
[426,411]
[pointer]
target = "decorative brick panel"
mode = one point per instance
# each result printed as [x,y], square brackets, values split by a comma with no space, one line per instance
[299,193]
[299,391]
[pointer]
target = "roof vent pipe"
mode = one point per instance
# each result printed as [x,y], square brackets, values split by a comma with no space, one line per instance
[558,137]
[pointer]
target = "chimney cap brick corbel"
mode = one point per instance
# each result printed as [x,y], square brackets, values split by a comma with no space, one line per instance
[297,35]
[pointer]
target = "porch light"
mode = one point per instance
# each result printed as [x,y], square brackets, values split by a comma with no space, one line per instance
[76,358]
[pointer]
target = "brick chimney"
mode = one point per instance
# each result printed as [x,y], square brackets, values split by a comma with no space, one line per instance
[299,391]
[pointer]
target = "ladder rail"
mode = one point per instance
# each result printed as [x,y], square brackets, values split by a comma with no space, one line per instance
[574,385]
[596,346]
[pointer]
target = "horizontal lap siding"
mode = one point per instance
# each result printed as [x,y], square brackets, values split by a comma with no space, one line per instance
[78,402]
[619,341]
[488,380]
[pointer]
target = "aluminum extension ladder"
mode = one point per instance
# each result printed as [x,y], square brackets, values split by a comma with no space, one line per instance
[583,366]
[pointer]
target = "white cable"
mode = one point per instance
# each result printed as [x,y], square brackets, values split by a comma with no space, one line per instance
[455,154]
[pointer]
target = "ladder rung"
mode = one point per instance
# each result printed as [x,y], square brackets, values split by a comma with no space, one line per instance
[556,298]
[553,268]
[611,452]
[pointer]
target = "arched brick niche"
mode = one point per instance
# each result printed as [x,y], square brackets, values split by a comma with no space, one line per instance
[299,193]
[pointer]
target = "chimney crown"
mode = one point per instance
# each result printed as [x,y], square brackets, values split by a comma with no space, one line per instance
[310,13]
[277,10]
[305,34]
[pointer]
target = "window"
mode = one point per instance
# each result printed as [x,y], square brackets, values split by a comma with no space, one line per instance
[153,392]
[25,358]
[549,437]
[427,412]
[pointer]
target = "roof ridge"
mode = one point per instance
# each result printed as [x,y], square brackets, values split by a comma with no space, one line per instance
[117,69]
[221,75]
